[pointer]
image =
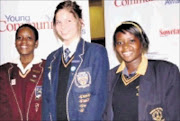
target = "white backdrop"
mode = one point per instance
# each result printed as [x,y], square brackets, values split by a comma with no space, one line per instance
[159,18]
[39,14]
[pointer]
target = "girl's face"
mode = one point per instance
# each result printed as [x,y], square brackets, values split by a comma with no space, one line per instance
[128,47]
[25,42]
[67,26]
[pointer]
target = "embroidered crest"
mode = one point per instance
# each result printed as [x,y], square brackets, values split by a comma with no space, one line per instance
[83,79]
[157,114]
[38,92]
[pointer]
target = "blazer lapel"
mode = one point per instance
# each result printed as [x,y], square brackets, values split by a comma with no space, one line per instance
[55,63]
[77,61]
[145,94]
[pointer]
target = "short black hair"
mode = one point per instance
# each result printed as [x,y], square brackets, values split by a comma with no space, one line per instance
[135,29]
[36,34]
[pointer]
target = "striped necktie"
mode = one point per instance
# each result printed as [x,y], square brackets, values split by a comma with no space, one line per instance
[66,55]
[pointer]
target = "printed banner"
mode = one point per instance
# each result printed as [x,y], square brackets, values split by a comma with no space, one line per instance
[159,18]
[40,14]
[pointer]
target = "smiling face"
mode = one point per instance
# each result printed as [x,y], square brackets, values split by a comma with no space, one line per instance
[128,47]
[25,42]
[67,25]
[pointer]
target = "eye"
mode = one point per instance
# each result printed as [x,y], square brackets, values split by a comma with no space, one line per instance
[132,40]
[69,20]
[18,38]
[58,22]
[29,38]
[119,43]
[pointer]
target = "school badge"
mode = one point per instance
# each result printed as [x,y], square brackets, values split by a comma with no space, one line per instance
[36,107]
[38,92]
[157,114]
[13,81]
[49,73]
[83,79]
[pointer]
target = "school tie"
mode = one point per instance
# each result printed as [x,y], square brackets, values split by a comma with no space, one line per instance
[66,55]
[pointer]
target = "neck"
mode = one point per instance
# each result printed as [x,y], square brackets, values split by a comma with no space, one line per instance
[133,66]
[25,60]
[68,42]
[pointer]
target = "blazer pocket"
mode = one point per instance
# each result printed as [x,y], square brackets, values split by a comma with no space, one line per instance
[82,83]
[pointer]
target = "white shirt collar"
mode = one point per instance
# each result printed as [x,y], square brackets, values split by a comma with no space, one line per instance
[29,66]
[72,46]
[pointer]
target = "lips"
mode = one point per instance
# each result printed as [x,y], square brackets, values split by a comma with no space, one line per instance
[127,53]
[64,32]
[24,47]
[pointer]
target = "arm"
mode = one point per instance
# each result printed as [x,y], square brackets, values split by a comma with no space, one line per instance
[100,67]
[5,109]
[45,94]
[173,94]
[108,113]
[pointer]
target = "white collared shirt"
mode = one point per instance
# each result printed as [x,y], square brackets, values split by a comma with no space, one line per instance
[72,46]
[29,66]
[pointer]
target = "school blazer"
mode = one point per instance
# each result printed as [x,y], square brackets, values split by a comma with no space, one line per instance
[11,101]
[87,84]
[159,92]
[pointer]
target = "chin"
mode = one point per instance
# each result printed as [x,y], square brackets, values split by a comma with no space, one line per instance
[65,38]
[127,60]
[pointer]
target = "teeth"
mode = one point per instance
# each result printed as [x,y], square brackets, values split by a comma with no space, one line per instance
[127,53]
[24,47]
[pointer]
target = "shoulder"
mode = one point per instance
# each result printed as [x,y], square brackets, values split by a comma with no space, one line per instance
[162,67]
[6,66]
[161,64]
[95,50]
[54,53]
[112,72]
[112,76]
[94,45]
[43,62]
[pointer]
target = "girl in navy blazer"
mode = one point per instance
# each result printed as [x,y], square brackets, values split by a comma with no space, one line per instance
[75,86]
[141,89]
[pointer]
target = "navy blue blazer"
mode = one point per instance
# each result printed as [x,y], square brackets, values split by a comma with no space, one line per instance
[159,92]
[87,84]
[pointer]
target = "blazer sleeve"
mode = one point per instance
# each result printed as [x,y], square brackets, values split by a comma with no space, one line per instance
[46,93]
[5,108]
[98,99]
[173,94]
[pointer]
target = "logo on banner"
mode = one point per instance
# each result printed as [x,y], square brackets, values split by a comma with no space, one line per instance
[11,23]
[169,32]
[119,3]
[169,2]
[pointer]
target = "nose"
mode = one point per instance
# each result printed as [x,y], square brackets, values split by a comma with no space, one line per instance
[125,46]
[24,40]
[63,25]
